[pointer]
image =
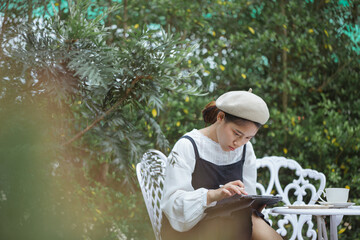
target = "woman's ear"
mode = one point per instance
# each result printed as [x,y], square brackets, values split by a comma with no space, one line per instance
[220,116]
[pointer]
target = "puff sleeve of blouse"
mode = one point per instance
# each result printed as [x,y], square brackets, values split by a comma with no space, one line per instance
[183,206]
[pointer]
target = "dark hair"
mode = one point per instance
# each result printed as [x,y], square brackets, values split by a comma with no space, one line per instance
[210,113]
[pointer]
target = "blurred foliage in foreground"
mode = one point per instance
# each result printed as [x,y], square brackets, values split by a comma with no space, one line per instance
[87,86]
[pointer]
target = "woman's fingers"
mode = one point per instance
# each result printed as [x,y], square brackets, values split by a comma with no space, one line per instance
[227,190]
[236,187]
[238,183]
[226,193]
[233,189]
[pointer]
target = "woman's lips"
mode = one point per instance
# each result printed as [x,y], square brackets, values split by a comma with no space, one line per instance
[231,148]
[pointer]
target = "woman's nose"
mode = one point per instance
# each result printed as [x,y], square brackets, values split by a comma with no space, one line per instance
[239,142]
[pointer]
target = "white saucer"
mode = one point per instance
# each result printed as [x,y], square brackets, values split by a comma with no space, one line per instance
[309,206]
[337,205]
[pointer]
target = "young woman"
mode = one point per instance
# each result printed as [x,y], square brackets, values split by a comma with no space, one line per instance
[211,164]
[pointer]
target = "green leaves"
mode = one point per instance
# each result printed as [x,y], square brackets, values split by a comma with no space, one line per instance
[353,32]
[101,87]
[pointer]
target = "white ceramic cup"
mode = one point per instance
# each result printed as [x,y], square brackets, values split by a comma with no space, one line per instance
[336,195]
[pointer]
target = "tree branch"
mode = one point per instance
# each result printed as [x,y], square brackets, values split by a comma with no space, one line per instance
[125,18]
[284,65]
[118,103]
[30,10]
[107,24]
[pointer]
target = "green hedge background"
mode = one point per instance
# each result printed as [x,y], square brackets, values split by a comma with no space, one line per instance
[88,86]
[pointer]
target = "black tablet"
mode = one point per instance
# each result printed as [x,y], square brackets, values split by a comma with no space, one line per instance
[261,200]
[228,206]
[237,202]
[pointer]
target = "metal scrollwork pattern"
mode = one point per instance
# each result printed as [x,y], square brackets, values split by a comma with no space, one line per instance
[151,172]
[299,186]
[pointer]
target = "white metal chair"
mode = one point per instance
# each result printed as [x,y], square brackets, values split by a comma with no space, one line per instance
[151,172]
[301,190]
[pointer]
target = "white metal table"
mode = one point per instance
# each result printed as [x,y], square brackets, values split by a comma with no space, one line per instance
[336,215]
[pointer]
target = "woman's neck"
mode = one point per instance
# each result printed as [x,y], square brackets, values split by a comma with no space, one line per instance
[210,132]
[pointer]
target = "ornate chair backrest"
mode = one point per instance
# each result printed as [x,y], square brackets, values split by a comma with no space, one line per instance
[150,172]
[304,188]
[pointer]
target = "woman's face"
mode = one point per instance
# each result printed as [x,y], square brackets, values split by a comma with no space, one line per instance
[231,135]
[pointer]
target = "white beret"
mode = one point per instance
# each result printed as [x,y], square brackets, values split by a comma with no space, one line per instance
[245,105]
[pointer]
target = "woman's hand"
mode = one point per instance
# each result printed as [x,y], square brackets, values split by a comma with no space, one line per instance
[228,190]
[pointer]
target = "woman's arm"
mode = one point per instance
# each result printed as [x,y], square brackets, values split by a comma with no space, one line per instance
[183,206]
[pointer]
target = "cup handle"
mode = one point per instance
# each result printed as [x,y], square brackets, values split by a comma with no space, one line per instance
[322,192]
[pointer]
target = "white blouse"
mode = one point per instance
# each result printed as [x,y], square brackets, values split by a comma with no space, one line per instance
[183,206]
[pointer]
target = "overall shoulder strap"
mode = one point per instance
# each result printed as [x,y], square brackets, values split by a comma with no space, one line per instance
[244,153]
[194,145]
